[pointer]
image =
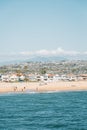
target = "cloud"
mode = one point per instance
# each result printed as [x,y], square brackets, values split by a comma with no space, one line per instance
[56,52]
[85,53]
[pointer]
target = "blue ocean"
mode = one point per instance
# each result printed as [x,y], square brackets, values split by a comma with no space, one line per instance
[44,111]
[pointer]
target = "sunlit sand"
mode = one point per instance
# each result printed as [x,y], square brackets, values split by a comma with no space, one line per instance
[45,87]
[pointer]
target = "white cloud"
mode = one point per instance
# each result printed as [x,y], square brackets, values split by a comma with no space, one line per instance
[58,51]
[44,52]
[85,53]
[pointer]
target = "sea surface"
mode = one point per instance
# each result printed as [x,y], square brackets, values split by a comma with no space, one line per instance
[44,111]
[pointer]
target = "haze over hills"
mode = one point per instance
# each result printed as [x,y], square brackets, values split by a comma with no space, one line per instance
[35,59]
[42,59]
[46,58]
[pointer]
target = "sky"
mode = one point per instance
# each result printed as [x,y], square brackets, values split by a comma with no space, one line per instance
[42,27]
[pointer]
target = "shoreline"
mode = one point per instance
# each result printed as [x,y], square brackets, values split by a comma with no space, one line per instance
[28,87]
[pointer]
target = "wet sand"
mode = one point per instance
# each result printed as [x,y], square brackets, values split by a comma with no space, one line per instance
[43,87]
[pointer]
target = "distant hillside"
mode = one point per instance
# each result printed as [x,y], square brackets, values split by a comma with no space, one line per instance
[34,59]
[46,59]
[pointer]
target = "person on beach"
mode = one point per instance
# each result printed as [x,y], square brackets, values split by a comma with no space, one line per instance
[15,89]
[36,88]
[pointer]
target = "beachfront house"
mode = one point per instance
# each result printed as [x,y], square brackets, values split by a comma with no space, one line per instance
[64,78]
[56,77]
[5,78]
[82,77]
[14,78]
[48,77]
[45,77]
[22,78]
[42,78]
[32,78]
[71,77]
[38,77]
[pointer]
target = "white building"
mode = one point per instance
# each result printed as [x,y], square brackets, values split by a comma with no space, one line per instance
[14,78]
[57,77]
[22,78]
[5,78]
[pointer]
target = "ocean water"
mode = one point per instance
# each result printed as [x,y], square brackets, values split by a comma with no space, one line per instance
[44,111]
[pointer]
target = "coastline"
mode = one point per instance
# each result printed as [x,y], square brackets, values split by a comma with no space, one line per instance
[58,86]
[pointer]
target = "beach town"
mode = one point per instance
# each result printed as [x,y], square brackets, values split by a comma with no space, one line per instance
[24,81]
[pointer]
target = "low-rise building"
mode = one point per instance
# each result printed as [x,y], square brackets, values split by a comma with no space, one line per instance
[14,78]
[5,78]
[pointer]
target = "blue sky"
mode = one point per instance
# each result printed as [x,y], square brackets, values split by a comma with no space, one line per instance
[39,26]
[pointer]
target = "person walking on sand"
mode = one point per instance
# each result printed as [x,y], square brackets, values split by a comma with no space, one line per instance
[15,88]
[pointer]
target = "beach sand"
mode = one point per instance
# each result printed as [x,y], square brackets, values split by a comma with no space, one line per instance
[42,87]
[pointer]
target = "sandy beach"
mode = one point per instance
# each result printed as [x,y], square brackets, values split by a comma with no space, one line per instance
[43,87]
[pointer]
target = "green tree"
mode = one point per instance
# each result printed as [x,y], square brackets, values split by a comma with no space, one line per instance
[43,71]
